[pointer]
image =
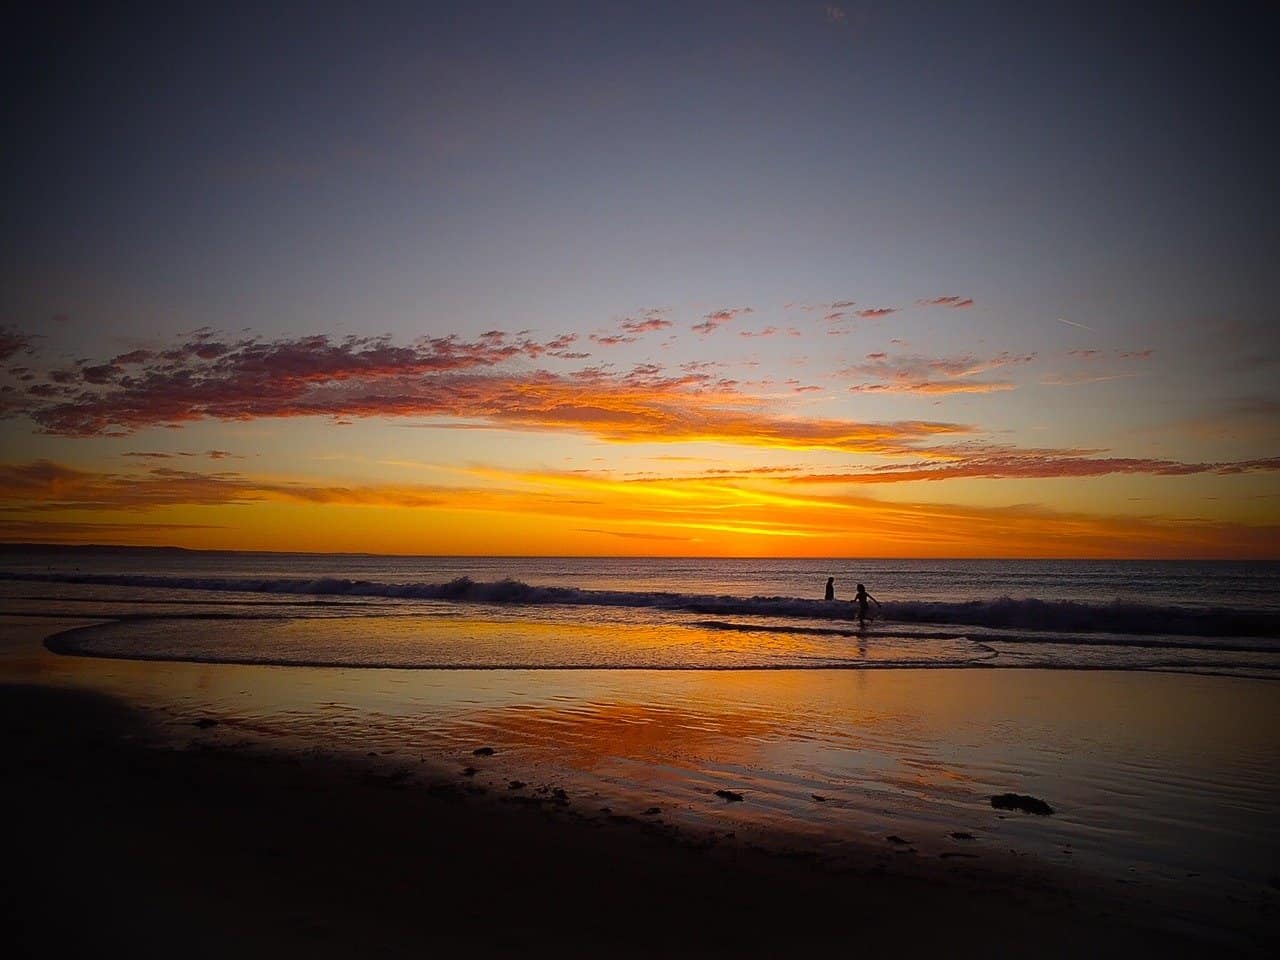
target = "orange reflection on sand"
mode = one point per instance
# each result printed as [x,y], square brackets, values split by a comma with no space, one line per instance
[586,734]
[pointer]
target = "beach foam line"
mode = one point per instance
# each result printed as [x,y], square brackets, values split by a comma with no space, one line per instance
[1032,614]
[879,633]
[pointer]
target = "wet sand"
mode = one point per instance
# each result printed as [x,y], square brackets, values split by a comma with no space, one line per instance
[123,847]
[173,817]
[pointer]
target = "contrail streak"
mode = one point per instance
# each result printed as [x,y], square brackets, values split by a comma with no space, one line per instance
[1074,324]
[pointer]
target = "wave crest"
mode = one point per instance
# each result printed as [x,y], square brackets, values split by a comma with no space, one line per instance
[1030,614]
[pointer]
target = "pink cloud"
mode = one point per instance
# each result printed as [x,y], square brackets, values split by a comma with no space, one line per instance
[1040,465]
[958,303]
[443,380]
[906,367]
[935,387]
[718,318]
[649,320]
[932,375]
[1117,354]
[559,347]
[872,313]
[1075,380]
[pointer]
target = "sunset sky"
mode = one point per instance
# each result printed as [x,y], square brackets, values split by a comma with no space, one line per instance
[794,279]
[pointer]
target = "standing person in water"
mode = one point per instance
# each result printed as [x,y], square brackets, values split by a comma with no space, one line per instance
[861,598]
[831,588]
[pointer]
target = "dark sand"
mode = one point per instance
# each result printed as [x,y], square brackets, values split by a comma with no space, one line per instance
[118,844]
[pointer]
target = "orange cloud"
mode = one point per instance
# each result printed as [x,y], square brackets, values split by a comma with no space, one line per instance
[45,486]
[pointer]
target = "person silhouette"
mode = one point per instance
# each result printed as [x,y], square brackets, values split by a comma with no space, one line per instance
[860,598]
[831,588]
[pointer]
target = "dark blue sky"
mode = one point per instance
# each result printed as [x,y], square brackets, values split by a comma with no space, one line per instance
[256,164]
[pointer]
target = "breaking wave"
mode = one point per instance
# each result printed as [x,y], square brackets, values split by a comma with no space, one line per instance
[1004,613]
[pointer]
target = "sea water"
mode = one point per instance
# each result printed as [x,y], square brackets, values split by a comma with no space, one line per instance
[658,613]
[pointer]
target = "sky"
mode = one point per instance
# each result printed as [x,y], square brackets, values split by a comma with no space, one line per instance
[675,279]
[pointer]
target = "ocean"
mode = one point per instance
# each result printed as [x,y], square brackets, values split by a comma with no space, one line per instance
[1220,617]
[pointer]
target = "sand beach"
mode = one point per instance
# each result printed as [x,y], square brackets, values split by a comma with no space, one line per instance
[207,808]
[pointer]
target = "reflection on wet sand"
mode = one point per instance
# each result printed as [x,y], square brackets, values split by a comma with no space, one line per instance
[585,735]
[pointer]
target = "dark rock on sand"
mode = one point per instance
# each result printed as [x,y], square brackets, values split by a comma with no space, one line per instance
[894,838]
[1021,801]
[819,797]
[516,785]
[469,771]
[653,811]
[484,752]
[559,796]
[204,723]
[961,835]
[729,795]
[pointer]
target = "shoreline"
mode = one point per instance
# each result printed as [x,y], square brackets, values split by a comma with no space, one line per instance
[264,849]
[64,642]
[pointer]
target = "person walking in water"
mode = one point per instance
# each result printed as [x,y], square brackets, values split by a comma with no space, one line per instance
[831,588]
[860,598]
